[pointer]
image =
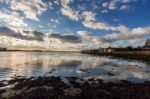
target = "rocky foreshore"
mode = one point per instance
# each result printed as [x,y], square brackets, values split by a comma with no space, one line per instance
[56,88]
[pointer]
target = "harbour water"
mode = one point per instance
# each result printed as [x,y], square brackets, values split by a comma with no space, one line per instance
[72,64]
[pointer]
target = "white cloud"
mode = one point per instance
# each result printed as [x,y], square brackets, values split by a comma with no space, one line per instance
[112,5]
[67,11]
[121,28]
[126,1]
[105,4]
[50,5]
[124,37]
[65,3]
[135,40]
[140,31]
[12,19]
[72,14]
[88,37]
[117,5]
[128,34]
[104,11]
[89,21]
[88,16]
[55,21]
[116,20]
[96,25]
[123,7]
[30,8]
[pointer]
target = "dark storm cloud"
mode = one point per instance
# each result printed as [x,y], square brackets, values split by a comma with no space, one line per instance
[35,35]
[66,38]
[5,31]
[38,36]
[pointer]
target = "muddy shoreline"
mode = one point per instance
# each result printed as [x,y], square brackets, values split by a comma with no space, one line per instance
[55,88]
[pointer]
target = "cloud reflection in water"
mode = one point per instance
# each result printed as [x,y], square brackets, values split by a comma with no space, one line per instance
[71,64]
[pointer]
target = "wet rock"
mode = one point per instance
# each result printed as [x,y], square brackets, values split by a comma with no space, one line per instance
[110,74]
[52,71]
[2,91]
[72,81]
[72,91]
[92,88]
[71,78]
[2,84]
[91,79]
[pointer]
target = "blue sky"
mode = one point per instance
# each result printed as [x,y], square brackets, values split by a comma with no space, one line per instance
[77,24]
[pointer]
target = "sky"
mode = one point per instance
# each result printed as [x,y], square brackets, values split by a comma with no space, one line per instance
[72,25]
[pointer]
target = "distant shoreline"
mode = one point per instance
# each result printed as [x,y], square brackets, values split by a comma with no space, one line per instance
[124,54]
[35,51]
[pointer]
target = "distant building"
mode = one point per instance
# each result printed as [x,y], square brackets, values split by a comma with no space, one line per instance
[147,44]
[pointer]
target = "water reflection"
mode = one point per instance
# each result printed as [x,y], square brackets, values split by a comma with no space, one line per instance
[71,64]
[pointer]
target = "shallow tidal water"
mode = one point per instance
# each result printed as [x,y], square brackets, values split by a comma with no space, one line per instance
[72,64]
